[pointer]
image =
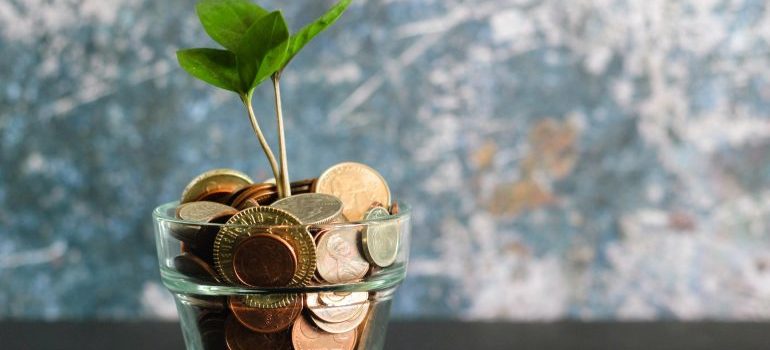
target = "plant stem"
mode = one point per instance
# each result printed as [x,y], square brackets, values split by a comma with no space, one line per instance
[284,179]
[246,98]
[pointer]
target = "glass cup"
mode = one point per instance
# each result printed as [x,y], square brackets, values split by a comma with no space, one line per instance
[346,304]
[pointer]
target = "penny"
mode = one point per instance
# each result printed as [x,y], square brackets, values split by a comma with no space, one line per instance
[306,336]
[203,211]
[338,258]
[264,193]
[214,181]
[346,310]
[219,195]
[264,260]
[357,185]
[380,238]
[194,267]
[265,320]
[238,337]
[311,208]
[244,224]
[342,327]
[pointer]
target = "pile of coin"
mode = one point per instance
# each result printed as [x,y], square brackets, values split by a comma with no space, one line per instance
[297,241]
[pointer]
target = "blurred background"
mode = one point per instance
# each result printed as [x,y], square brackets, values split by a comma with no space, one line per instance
[566,159]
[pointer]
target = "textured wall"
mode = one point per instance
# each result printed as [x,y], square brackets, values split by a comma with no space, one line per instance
[565,158]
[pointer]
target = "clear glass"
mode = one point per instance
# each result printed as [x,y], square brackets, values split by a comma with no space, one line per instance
[207,308]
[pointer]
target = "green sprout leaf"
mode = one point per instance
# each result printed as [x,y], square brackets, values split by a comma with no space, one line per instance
[216,67]
[306,34]
[262,50]
[226,21]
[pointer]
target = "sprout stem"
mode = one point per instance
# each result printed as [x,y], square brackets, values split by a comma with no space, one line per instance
[283,180]
[246,98]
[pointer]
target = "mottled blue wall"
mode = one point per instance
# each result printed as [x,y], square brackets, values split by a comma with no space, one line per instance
[565,158]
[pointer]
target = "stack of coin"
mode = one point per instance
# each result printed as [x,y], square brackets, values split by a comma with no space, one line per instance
[296,241]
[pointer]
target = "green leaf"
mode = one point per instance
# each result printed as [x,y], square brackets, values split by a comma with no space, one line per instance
[307,33]
[226,21]
[262,49]
[216,67]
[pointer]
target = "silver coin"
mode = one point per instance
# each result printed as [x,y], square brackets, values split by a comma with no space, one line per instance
[311,208]
[380,238]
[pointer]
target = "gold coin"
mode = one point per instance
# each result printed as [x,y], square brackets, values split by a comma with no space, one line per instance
[217,180]
[304,246]
[357,185]
[339,259]
[380,238]
[311,208]
[247,222]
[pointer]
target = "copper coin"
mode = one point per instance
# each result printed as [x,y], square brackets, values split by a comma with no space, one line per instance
[357,185]
[240,226]
[338,259]
[239,337]
[265,320]
[306,336]
[251,192]
[194,267]
[264,260]
[214,181]
[220,195]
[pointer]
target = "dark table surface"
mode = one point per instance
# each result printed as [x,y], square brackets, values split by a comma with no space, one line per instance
[432,335]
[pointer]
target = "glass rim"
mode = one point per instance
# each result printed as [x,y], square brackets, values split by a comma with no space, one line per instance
[160,213]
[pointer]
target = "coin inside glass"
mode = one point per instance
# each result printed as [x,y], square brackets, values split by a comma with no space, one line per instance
[212,330]
[311,208]
[265,320]
[342,327]
[306,336]
[344,311]
[244,224]
[264,260]
[380,238]
[194,267]
[338,257]
[238,337]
